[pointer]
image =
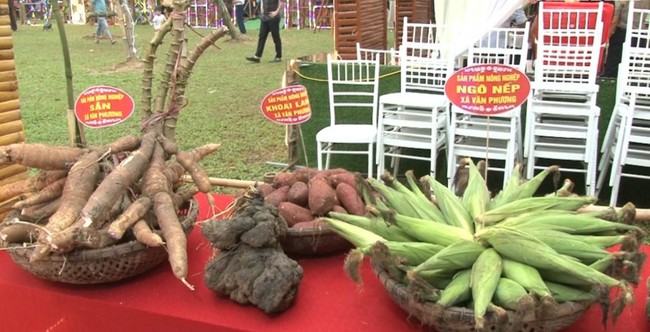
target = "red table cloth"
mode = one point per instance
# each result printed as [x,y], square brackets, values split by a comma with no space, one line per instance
[156,301]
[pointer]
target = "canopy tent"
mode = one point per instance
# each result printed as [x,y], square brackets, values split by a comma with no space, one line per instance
[468,20]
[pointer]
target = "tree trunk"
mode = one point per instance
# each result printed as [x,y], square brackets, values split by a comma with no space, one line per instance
[126,23]
[227,20]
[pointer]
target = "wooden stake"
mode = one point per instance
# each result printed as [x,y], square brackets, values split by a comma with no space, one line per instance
[230,183]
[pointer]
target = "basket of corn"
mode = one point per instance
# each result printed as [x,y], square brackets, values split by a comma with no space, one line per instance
[514,262]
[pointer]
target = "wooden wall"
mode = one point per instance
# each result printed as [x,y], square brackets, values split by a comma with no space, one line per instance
[362,21]
[417,11]
[11,125]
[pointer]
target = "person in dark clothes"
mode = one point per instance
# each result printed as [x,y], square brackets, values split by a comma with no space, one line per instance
[12,15]
[616,40]
[270,17]
[239,14]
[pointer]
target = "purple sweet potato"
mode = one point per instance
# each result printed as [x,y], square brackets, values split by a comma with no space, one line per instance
[350,199]
[277,196]
[298,193]
[344,177]
[304,174]
[283,179]
[321,196]
[293,213]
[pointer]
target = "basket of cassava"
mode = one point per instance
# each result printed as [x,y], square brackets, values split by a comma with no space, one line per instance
[466,261]
[108,264]
[305,195]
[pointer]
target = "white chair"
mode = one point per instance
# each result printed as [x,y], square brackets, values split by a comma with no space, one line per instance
[562,115]
[627,142]
[353,91]
[497,137]
[415,119]
[388,57]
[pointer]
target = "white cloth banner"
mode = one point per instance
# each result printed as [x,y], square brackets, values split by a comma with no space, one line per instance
[466,21]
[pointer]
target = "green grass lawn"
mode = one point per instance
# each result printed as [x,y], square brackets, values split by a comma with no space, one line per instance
[224,92]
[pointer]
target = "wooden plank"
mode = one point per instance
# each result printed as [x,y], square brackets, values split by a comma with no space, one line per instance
[12,138]
[7,128]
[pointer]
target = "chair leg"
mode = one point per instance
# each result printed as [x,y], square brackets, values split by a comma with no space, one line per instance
[319,155]
[370,160]
[329,148]
[616,177]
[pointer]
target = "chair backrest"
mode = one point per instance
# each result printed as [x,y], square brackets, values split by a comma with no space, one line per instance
[634,69]
[418,32]
[570,36]
[424,67]
[385,57]
[353,86]
[506,46]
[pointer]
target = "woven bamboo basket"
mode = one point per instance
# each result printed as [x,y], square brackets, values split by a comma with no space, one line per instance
[318,240]
[456,319]
[105,265]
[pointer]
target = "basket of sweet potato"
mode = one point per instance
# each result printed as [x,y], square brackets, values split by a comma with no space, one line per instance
[305,195]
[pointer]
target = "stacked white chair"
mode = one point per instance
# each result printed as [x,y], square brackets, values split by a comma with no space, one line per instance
[388,57]
[626,146]
[413,122]
[498,137]
[353,87]
[562,115]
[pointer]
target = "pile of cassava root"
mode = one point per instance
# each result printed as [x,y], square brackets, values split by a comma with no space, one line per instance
[94,197]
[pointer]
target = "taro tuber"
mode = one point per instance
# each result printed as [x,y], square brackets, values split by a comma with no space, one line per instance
[251,267]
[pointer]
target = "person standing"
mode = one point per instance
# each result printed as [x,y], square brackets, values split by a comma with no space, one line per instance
[99,8]
[617,38]
[270,15]
[239,14]
[158,19]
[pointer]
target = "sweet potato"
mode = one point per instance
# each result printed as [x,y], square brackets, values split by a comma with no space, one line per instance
[283,179]
[311,224]
[350,199]
[277,196]
[298,193]
[304,174]
[321,196]
[344,177]
[339,209]
[332,171]
[293,213]
[264,188]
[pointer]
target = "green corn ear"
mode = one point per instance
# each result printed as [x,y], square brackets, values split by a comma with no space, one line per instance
[356,235]
[580,223]
[450,205]
[510,190]
[511,295]
[394,198]
[373,224]
[570,245]
[476,195]
[603,241]
[563,293]
[528,250]
[457,290]
[432,210]
[485,275]
[414,252]
[529,188]
[421,208]
[428,231]
[533,204]
[528,277]
[456,256]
